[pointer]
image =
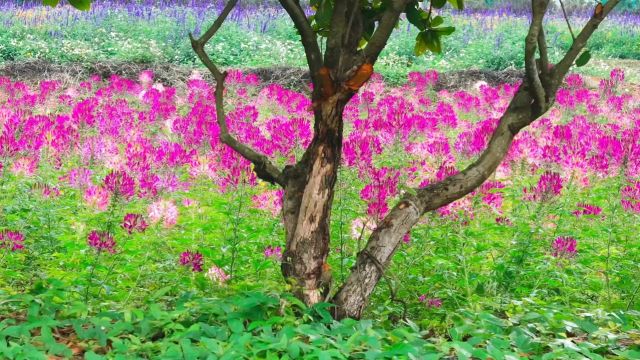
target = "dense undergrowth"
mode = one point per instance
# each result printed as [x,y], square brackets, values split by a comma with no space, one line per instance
[127,228]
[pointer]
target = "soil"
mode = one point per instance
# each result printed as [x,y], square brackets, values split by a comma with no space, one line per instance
[34,71]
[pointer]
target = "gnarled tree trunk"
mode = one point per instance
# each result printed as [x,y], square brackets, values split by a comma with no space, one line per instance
[309,185]
[308,197]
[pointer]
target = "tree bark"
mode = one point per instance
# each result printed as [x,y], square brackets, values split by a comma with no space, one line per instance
[308,197]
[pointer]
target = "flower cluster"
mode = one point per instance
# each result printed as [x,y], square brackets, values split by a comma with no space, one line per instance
[564,247]
[217,275]
[273,252]
[192,259]
[11,240]
[430,302]
[102,241]
[134,223]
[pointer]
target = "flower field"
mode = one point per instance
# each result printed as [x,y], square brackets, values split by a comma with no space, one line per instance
[117,194]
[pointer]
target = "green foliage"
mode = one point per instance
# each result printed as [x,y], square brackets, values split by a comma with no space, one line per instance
[258,325]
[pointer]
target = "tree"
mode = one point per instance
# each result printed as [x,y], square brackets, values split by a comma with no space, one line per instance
[356,32]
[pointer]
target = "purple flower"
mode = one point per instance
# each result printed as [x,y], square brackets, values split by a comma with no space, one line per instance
[564,247]
[101,240]
[193,259]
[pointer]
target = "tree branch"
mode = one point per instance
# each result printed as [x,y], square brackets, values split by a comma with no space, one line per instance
[385,239]
[566,18]
[386,25]
[538,9]
[263,168]
[307,35]
[580,42]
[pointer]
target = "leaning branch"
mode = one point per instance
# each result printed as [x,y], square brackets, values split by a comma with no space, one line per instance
[263,168]
[386,238]
[580,42]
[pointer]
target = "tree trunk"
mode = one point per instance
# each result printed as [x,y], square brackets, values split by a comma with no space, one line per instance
[308,196]
[373,260]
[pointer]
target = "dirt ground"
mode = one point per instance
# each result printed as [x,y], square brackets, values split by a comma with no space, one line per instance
[34,71]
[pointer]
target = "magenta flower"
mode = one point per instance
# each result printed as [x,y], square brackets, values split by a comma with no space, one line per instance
[430,302]
[631,197]
[120,183]
[564,247]
[586,209]
[12,240]
[273,252]
[101,240]
[549,186]
[134,223]
[193,259]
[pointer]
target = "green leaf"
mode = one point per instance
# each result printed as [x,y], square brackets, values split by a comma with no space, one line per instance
[414,15]
[81,4]
[445,30]
[438,4]
[437,21]
[584,58]
[428,40]
[51,3]
[457,4]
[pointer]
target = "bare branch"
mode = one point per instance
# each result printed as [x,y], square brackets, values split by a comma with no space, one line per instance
[538,9]
[564,65]
[385,27]
[544,55]
[263,168]
[308,36]
[566,18]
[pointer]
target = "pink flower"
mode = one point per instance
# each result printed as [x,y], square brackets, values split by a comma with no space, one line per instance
[97,197]
[11,240]
[631,197]
[549,186]
[119,183]
[270,201]
[165,211]
[430,302]
[101,240]
[193,259]
[564,247]
[218,275]
[273,252]
[586,209]
[134,222]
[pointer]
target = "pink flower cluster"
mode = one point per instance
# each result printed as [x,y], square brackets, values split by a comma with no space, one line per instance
[193,260]
[11,240]
[564,247]
[102,241]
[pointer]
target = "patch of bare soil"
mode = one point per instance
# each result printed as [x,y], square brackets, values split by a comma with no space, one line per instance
[34,71]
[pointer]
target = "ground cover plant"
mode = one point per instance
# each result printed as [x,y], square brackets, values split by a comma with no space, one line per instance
[156,31]
[129,226]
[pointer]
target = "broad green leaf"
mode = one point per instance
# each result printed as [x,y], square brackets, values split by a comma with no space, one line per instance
[457,4]
[584,58]
[81,4]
